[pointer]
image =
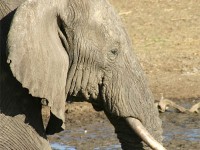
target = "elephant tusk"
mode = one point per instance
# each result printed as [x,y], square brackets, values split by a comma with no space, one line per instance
[137,126]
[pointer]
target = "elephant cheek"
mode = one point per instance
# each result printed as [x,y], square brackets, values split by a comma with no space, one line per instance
[113,96]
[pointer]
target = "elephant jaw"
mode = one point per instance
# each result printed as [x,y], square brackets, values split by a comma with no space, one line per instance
[139,129]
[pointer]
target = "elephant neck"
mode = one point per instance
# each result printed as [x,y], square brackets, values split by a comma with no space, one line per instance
[4,9]
[8,6]
[18,135]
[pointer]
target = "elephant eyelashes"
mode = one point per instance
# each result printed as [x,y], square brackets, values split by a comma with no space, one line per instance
[113,54]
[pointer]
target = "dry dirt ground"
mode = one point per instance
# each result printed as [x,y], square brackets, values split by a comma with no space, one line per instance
[166,38]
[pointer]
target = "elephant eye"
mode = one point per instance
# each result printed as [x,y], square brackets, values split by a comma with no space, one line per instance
[113,53]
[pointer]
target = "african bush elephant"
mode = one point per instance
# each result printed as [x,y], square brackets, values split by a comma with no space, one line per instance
[71,50]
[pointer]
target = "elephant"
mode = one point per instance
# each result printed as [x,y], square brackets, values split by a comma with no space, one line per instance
[70,50]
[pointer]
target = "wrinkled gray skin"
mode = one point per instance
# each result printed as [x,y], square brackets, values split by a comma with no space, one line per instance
[68,50]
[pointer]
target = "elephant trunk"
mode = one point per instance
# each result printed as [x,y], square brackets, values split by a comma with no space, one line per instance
[129,105]
[138,128]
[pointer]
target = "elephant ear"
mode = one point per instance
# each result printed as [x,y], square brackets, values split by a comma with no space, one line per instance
[36,55]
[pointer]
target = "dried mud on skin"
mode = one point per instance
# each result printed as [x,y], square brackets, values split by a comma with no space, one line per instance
[166,38]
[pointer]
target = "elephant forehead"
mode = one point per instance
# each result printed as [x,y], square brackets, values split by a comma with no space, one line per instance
[104,15]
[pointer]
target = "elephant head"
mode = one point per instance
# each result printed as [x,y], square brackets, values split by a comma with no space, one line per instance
[66,49]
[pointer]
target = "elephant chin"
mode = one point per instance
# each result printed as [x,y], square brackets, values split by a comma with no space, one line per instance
[139,129]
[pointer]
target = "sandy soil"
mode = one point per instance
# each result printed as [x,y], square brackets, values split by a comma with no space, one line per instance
[166,38]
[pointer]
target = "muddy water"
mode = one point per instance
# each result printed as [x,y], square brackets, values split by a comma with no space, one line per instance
[181,132]
[94,136]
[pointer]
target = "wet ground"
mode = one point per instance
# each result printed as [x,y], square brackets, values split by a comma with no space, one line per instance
[181,132]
